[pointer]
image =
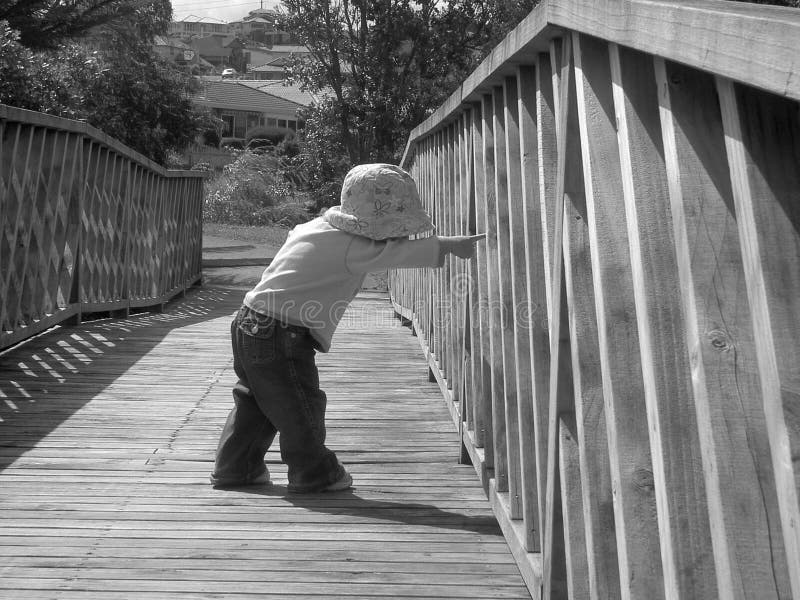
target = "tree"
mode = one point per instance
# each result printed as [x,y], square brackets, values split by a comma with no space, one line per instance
[45,24]
[384,65]
[112,79]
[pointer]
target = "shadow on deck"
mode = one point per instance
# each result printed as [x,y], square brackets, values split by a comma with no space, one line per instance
[107,435]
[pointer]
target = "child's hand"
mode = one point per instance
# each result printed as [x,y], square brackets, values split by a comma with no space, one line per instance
[463,246]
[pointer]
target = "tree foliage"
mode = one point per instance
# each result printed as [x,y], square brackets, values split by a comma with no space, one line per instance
[386,63]
[384,66]
[45,24]
[109,78]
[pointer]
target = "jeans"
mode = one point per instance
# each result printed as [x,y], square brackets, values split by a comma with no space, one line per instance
[277,391]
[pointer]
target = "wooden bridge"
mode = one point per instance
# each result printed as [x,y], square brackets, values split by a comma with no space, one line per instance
[620,363]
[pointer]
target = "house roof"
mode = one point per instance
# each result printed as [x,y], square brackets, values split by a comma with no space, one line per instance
[289,49]
[242,95]
[276,64]
[293,93]
[196,19]
[161,40]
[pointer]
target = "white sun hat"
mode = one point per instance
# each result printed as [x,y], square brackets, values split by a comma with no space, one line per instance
[379,201]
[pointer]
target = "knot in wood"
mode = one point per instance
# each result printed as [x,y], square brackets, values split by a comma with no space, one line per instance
[643,479]
[720,340]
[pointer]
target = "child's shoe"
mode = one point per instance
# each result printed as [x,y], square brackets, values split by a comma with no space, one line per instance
[219,482]
[343,481]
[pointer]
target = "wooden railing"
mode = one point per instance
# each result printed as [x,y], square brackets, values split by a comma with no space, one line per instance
[87,225]
[623,355]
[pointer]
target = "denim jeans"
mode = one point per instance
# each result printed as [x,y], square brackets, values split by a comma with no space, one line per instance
[278,391]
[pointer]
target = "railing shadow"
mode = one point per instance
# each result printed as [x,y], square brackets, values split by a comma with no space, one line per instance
[50,377]
[349,503]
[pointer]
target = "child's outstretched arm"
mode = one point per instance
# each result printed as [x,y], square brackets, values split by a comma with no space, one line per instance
[463,246]
[368,256]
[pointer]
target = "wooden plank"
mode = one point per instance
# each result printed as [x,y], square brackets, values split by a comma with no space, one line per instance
[743,506]
[567,168]
[461,283]
[740,41]
[108,492]
[438,291]
[449,344]
[523,166]
[535,302]
[578,577]
[498,437]
[507,184]
[593,479]
[470,284]
[761,138]
[686,552]
[483,414]
[624,543]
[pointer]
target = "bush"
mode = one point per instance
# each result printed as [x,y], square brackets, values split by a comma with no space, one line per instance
[250,191]
[274,135]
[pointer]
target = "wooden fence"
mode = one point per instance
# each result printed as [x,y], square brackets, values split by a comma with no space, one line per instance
[623,355]
[87,225]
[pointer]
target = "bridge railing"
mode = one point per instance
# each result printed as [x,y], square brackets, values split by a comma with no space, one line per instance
[87,225]
[623,355]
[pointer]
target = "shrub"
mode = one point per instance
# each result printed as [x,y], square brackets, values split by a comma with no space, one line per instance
[251,191]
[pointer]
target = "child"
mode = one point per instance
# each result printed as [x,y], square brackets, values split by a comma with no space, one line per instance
[293,312]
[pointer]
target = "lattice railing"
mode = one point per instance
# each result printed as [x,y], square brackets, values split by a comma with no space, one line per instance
[87,225]
[623,355]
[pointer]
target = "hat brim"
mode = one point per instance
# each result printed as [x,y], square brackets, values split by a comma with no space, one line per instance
[395,225]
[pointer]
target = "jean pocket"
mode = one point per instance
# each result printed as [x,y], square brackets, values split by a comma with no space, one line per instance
[258,339]
[256,325]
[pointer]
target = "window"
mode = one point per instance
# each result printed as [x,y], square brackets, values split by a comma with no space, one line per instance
[227,125]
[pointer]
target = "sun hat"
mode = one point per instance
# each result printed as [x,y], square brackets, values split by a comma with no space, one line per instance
[379,201]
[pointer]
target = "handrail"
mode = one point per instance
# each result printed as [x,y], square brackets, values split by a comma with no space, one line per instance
[87,225]
[622,354]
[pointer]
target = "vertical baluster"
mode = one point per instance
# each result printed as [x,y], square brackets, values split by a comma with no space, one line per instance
[555,566]
[530,305]
[742,503]
[625,454]
[762,138]
[500,454]
[686,551]
[507,166]
[483,395]
[450,263]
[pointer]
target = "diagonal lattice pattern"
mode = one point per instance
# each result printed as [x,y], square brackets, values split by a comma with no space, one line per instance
[87,225]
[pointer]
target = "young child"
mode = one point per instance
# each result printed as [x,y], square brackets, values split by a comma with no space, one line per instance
[293,312]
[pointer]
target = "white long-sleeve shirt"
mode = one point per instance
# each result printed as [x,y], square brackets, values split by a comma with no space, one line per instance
[319,270]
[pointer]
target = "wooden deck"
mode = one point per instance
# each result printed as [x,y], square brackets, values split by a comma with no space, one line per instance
[107,435]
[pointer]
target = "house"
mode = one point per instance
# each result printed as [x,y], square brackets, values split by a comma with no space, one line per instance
[220,51]
[175,51]
[198,27]
[260,26]
[245,105]
[271,71]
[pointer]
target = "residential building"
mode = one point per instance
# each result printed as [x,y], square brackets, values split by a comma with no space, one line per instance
[221,52]
[260,26]
[271,71]
[244,105]
[198,27]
